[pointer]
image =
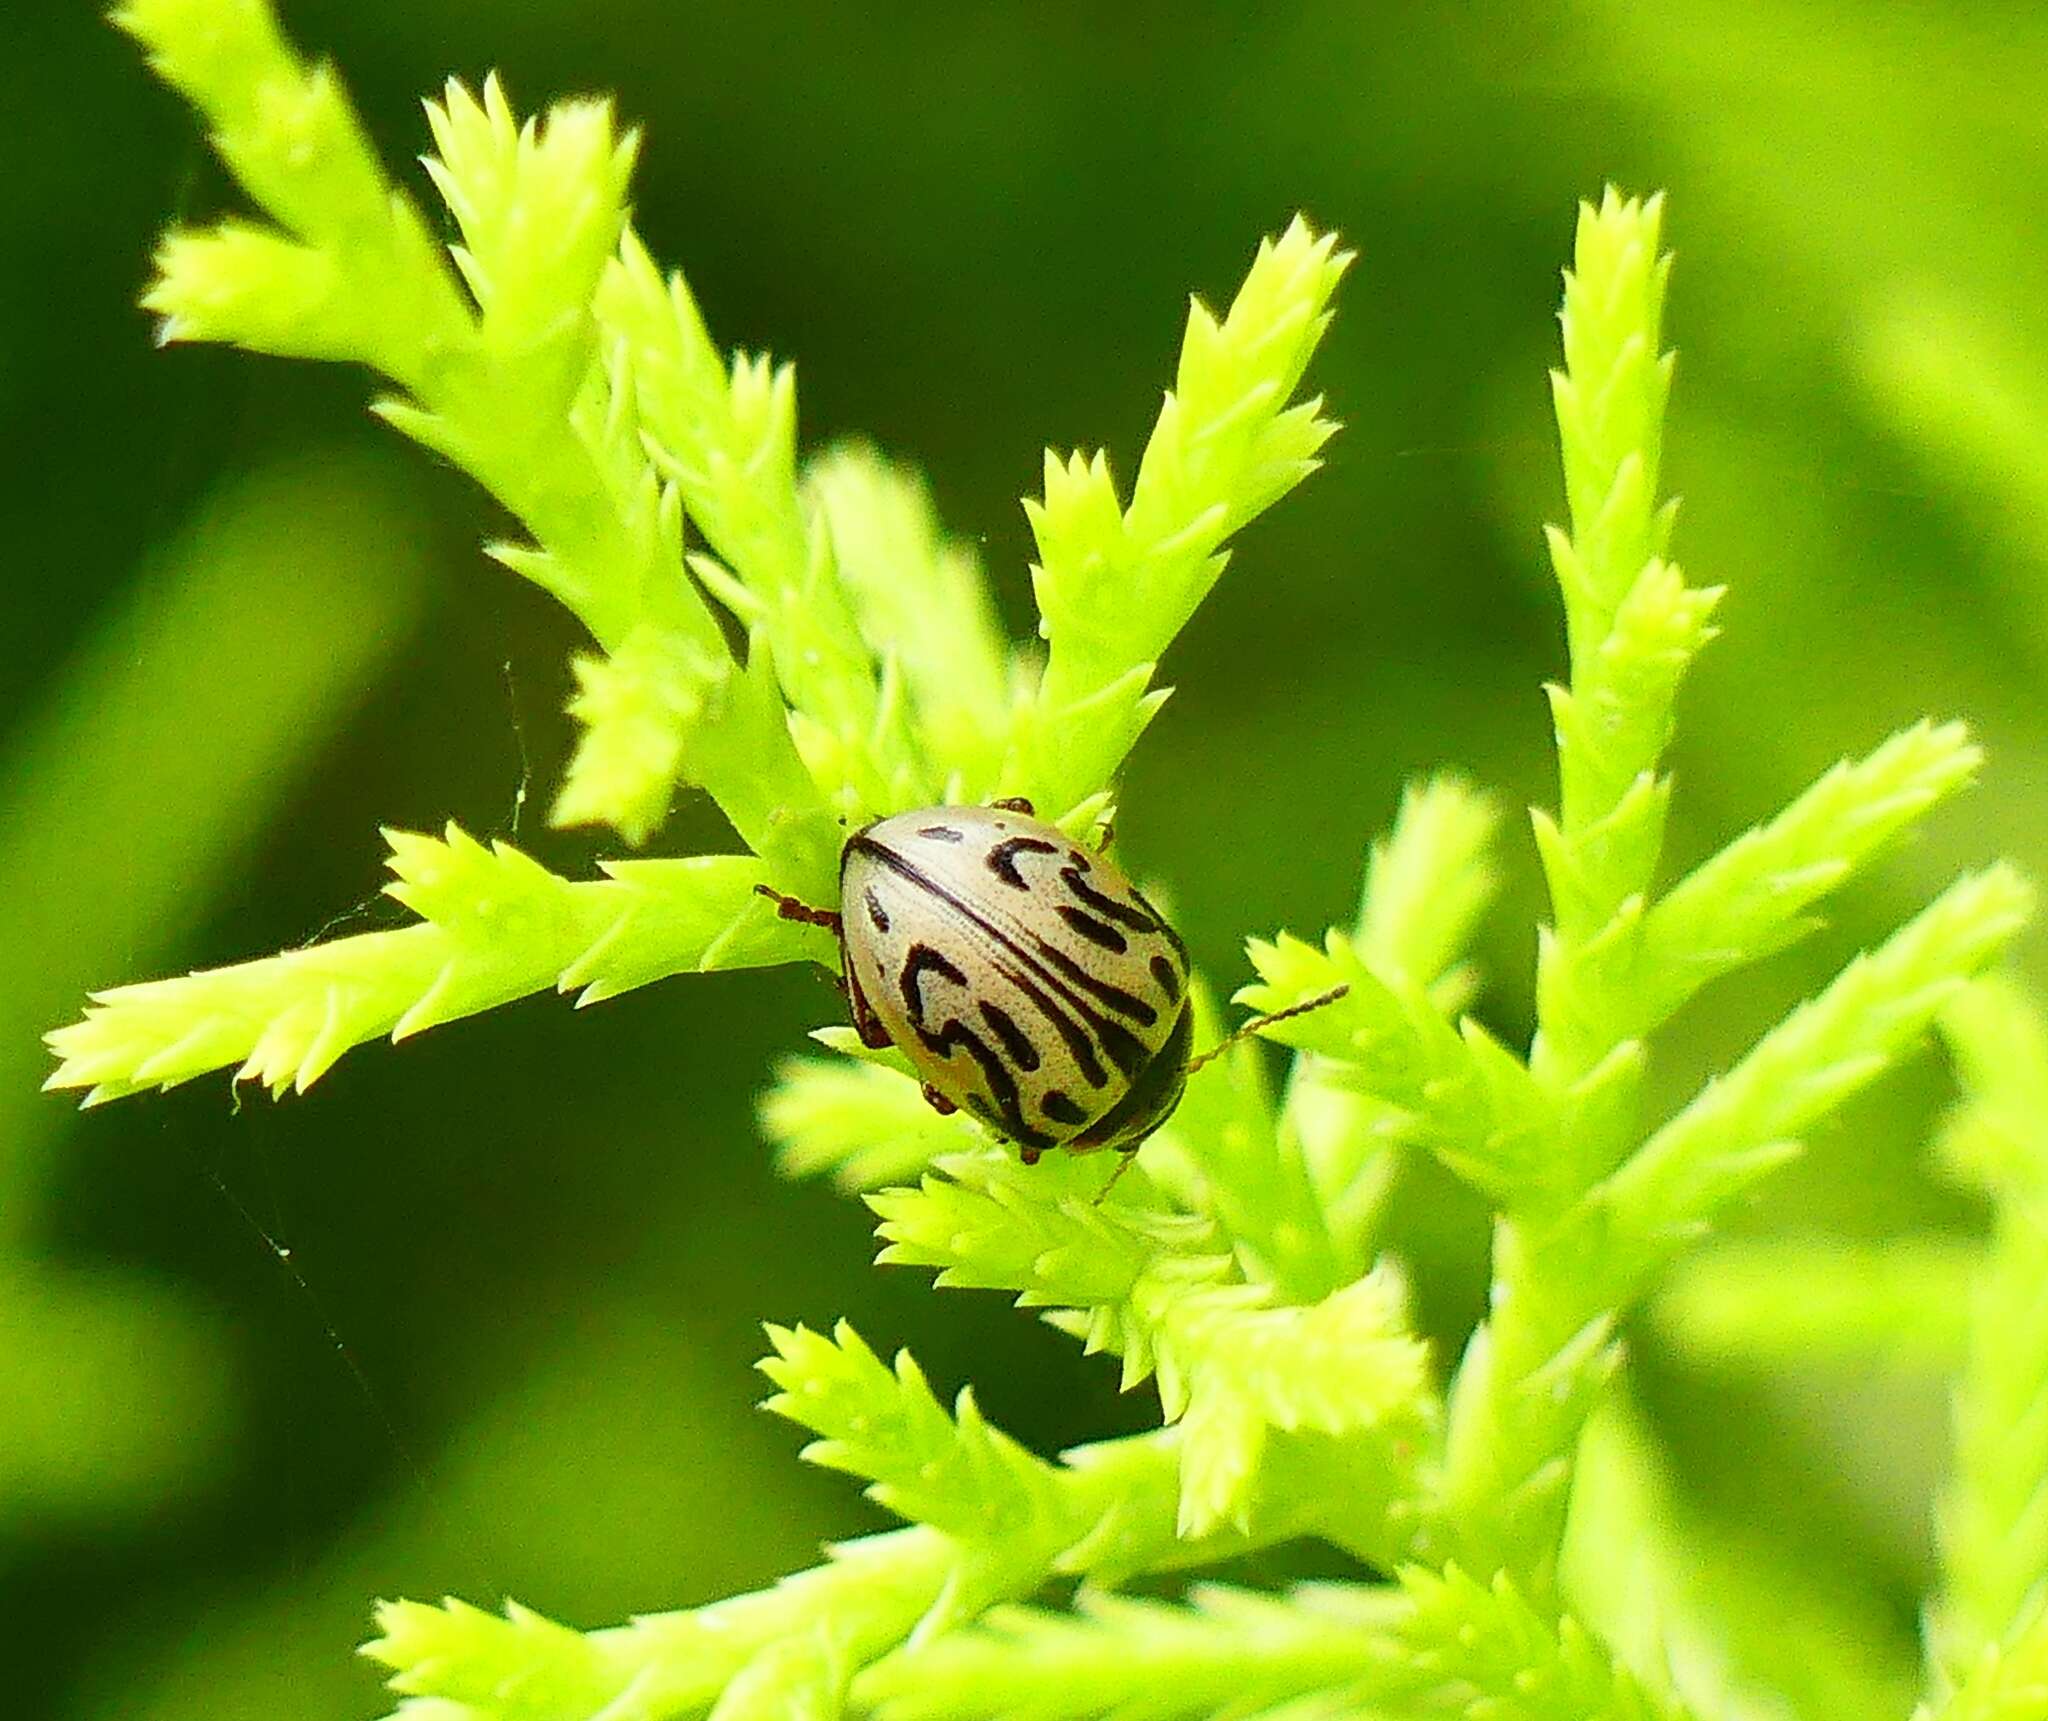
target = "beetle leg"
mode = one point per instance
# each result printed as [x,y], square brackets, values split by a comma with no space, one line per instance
[1028,1153]
[790,909]
[938,1101]
[1125,1160]
[1016,804]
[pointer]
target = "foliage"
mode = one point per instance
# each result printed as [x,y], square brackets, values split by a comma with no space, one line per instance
[1235,1270]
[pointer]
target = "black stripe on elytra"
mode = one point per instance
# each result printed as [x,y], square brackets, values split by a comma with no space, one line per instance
[1124,1003]
[1115,1039]
[940,833]
[1002,858]
[1107,906]
[1169,980]
[1166,931]
[1098,932]
[1148,1101]
[876,912]
[1180,948]
[1015,1041]
[1079,1046]
[1002,1085]
[1119,1042]
[920,960]
[1060,1109]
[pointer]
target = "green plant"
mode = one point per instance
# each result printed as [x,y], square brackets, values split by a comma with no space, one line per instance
[1238,1270]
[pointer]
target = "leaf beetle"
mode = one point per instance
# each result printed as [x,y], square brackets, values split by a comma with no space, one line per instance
[1025,978]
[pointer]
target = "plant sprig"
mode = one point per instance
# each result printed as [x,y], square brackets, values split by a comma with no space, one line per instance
[549,357]
[1235,1272]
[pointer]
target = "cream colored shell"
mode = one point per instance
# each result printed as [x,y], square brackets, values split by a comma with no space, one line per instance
[1021,974]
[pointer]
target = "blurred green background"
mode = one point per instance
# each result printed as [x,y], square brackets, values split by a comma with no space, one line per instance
[478,1316]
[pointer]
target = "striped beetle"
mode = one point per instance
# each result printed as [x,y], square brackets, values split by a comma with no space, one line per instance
[1024,977]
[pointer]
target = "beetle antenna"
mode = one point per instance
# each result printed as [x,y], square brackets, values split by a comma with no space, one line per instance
[1244,1030]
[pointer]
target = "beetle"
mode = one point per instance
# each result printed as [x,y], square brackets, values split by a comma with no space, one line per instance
[1023,975]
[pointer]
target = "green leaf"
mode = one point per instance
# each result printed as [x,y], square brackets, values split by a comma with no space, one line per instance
[2006,1682]
[564,176]
[253,286]
[513,392]
[1610,399]
[1721,1608]
[1954,382]
[1226,1652]
[1240,1167]
[954,1472]
[1745,1123]
[1346,1366]
[1490,1653]
[1115,584]
[863,1124]
[803,1678]
[1530,1377]
[638,708]
[1992,1141]
[1793,1303]
[1156,1289]
[726,438]
[286,131]
[983,1221]
[1634,627]
[1461,1095]
[921,600]
[511,1667]
[1428,882]
[1992,1519]
[1752,899]
[525,1668]
[1112,1515]
[580,386]
[496,926]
